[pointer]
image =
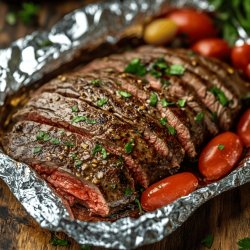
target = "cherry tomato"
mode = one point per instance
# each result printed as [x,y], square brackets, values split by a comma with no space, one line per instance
[167,190]
[240,56]
[243,128]
[220,155]
[212,47]
[196,25]
[248,71]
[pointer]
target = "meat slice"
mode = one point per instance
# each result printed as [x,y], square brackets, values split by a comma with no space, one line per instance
[148,55]
[119,138]
[73,166]
[189,133]
[129,110]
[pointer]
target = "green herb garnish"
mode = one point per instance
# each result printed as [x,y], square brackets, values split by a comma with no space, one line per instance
[101,102]
[199,117]
[85,247]
[171,130]
[55,141]
[28,12]
[163,121]
[175,69]
[78,163]
[101,149]
[244,244]
[124,93]
[75,108]
[153,99]
[43,136]
[158,68]
[208,241]
[37,150]
[96,82]
[129,146]
[220,95]
[221,146]
[181,103]
[74,156]
[165,103]
[135,67]
[139,205]
[55,241]
[128,191]
[77,119]
[45,43]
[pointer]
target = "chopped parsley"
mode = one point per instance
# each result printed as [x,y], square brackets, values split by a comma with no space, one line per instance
[124,93]
[128,191]
[139,205]
[165,103]
[28,12]
[73,156]
[163,121]
[220,95]
[129,146]
[221,146]
[69,144]
[37,150]
[244,244]
[75,108]
[78,163]
[175,69]
[208,241]
[171,130]
[101,149]
[77,119]
[85,247]
[153,99]
[55,241]
[55,141]
[45,43]
[182,103]
[43,136]
[101,102]
[158,68]
[135,67]
[199,117]
[96,82]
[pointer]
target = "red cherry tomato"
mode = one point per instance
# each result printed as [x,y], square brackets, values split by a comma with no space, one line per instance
[212,47]
[220,155]
[248,71]
[168,190]
[240,56]
[243,128]
[197,25]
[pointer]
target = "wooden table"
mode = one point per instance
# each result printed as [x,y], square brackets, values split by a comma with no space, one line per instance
[226,217]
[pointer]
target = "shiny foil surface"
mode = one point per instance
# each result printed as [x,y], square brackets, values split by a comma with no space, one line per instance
[27,61]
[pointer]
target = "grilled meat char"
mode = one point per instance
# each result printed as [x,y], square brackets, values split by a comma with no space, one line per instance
[96,134]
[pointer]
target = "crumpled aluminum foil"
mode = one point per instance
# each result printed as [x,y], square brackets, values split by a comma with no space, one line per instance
[26,62]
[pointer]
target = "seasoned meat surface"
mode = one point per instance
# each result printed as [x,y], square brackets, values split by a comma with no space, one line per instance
[101,133]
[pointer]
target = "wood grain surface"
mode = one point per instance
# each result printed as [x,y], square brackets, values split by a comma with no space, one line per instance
[226,217]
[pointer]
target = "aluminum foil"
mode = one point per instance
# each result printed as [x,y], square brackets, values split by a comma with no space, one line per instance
[27,60]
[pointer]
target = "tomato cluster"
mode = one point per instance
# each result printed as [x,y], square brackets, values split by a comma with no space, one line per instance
[202,35]
[225,150]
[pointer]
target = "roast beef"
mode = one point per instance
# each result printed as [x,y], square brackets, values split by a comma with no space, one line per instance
[101,133]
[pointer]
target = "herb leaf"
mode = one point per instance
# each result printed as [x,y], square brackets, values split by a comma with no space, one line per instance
[78,163]
[163,121]
[135,67]
[55,241]
[139,205]
[182,103]
[69,144]
[55,141]
[244,244]
[128,191]
[153,99]
[129,146]
[220,95]
[77,119]
[101,102]
[124,93]
[171,130]
[175,69]
[37,150]
[101,149]
[165,103]
[199,117]
[28,12]
[75,108]
[208,241]
[96,82]
[85,247]
[221,146]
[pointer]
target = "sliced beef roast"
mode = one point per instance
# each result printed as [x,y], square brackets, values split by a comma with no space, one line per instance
[125,121]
